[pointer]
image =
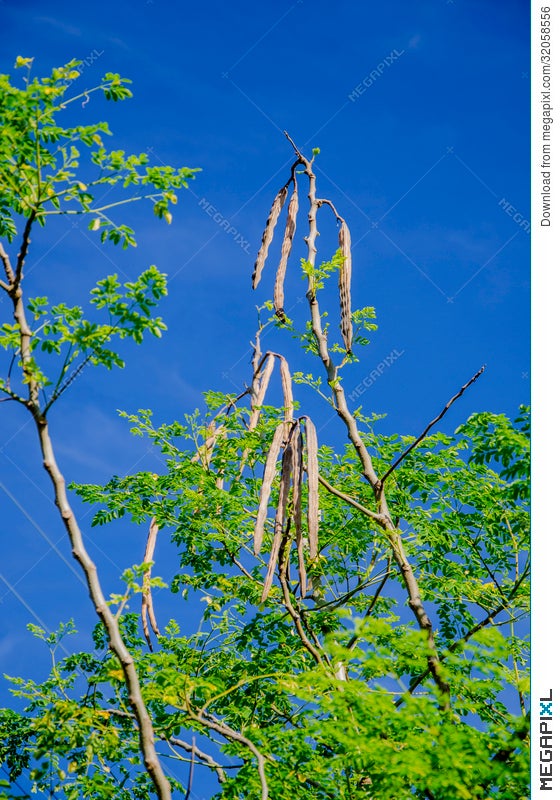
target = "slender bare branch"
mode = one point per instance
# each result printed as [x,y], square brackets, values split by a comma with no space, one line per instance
[191,773]
[200,754]
[350,500]
[79,551]
[428,428]
[296,617]
[213,723]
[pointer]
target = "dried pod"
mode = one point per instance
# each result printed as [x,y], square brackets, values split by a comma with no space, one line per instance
[285,480]
[344,280]
[312,449]
[296,498]
[285,253]
[287,389]
[268,477]
[268,233]
[147,600]
[258,398]
[260,385]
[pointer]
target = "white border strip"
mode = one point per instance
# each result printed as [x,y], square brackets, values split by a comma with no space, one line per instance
[545,254]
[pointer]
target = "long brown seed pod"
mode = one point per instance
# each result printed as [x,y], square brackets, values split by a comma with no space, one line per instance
[260,385]
[258,398]
[280,518]
[268,233]
[147,599]
[287,389]
[344,280]
[285,253]
[268,477]
[312,449]
[296,498]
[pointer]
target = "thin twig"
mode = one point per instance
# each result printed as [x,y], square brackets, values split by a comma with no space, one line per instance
[224,730]
[425,432]
[489,618]
[350,500]
[353,641]
[296,618]
[191,771]
[204,757]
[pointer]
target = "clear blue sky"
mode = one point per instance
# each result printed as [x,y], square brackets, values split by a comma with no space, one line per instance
[422,162]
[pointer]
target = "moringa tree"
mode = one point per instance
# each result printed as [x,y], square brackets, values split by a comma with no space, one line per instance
[362,633]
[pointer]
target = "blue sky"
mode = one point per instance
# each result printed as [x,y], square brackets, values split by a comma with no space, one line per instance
[424,159]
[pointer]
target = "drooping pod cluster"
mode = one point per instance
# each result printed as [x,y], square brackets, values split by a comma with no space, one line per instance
[297,441]
[345,273]
[299,456]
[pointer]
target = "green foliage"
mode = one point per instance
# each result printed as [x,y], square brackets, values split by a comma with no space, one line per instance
[42,161]
[367,736]
[45,172]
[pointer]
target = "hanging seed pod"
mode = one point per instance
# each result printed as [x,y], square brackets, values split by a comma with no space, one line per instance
[268,477]
[296,498]
[258,398]
[147,599]
[287,389]
[312,449]
[285,480]
[285,254]
[344,280]
[268,233]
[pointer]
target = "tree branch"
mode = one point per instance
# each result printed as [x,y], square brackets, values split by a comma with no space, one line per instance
[341,407]
[79,551]
[211,722]
[7,269]
[25,241]
[350,500]
[489,618]
[116,643]
[296,617]
[425,432]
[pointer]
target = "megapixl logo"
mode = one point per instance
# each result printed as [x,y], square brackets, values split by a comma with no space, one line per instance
[545,742]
